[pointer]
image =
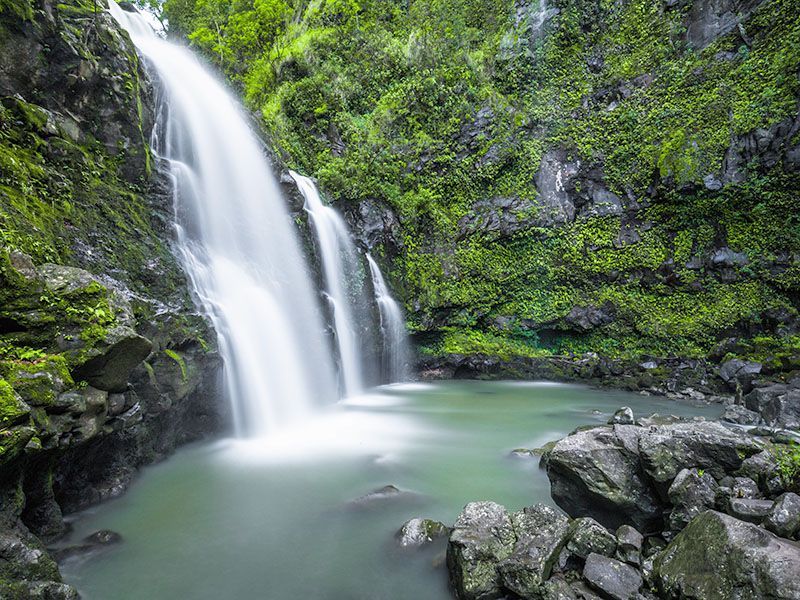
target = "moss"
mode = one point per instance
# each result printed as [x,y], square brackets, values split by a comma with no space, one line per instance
[179,361]
[12,409]
[38,382]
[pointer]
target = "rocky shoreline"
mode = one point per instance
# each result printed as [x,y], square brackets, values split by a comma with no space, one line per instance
[656,507]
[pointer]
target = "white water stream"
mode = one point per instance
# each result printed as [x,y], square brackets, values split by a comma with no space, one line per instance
[238,242]
[394,338]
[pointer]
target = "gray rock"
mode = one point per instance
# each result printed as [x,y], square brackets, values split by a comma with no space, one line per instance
[718,557]
[629,545]
[735,487]
[784,520]
[587,536]
[585,318]
[691,493]
[778,405]
[597,473]
[738,414]
[710,19]
[553,180]
[752,510]
[541,533]
[624,416]
[380,496]
[737,369]
[612,578]
[482,536]
[417,532]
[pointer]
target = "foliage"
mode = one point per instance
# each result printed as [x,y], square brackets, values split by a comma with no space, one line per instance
[788,459]
[433,107]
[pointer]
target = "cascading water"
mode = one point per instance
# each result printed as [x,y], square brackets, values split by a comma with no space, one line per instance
[339,262]
[238,242]
[393,329]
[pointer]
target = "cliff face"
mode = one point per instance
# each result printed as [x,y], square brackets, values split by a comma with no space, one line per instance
[104,363]
[547,176]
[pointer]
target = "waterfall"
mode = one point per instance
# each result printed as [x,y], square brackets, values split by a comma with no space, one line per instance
[394,338]
[238,243]
[339,264]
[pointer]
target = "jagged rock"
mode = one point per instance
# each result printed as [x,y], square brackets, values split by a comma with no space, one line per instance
[624,416]
[738,414]
[784,519]
[710,19]
[778,405]
[735,487]
[759,467]
[718,557]
[629,545]
[91,543]
[739,371]
[691,493]
[38,590]
[110,368]
[752,510]
[587,536]
[418,532]
[541,533]
[585,318]
[612,578]
[482,536]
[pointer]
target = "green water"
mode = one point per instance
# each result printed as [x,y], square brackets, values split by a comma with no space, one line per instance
[270,520]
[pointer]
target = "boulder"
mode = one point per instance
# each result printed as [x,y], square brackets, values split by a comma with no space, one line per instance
[109,366]
[612,578]
[597,473]
[778,405]
[541,533]
[739,415]
[380,496]
[587,536]
[784,519]
[718,557]
[482,536]
[417,532]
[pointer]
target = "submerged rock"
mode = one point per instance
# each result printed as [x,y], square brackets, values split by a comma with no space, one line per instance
[718,557]
[417,532]
[384,494]
[91,543]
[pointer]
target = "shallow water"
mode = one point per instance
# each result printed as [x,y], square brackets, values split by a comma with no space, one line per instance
[240,520]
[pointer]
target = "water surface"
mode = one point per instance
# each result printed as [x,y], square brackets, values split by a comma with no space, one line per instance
[240,520]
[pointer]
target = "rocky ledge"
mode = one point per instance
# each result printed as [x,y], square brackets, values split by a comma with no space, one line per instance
[660,507]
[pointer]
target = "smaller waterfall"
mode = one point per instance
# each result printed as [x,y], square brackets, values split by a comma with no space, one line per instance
[339,262]
[393,329]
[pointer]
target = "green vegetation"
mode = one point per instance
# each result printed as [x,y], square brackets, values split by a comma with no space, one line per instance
[788,459]
[381,102]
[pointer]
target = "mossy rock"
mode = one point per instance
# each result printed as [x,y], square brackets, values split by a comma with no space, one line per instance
[12,409]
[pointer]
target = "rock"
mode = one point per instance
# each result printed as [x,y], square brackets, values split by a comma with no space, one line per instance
[376,497]
[110,368]
[738,414]
[554,181]
[691,493]
[541,533]
[38,590]
[752,510]
[707,445]
[587,536]
[482,536]
[739,370]
[778,405]
[718,557]
[91,543]
[784,519]
[710,19]
[612,578]
[418,532]
[597,473]
[735,487]
[585,318]
[629,545]
[624,416]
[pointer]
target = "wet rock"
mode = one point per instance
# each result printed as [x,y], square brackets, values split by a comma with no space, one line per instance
[612,578]
[624,416]
[752,510]
[110,368]
[731,488]
[784,519]
[482,536]
[718,557]
[381,495]
[710,19]
[38,590]
[417,532]
[91,543]
[629,545]
[739,371]
[587,536]
[585,318]
[541,533]
[691,493]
